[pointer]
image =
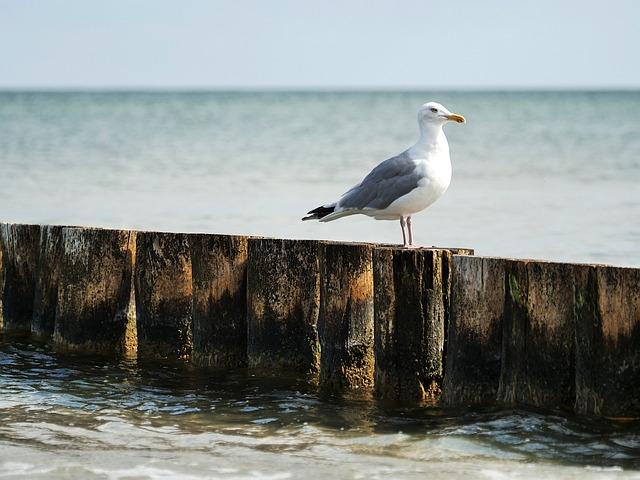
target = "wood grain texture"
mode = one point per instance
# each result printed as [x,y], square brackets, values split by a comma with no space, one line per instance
[474,343]
[608,341]
[345,324]
[47,281]
[409,324]
[94,311]
[283,303]
[538,357]
[219,300]
[20,245]
[2,282]
[163,295]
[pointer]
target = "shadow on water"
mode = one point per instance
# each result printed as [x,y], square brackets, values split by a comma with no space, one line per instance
[107,403]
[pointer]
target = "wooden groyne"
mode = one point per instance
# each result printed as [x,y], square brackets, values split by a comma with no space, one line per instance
[431,326]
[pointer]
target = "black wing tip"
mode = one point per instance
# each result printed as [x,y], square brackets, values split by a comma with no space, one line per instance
[318,213]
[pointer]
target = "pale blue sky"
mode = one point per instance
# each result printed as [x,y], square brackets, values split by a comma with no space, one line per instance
[325,43]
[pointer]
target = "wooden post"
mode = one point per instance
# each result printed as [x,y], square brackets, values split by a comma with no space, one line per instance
[607,341]
[345,324]
[1,281]
[474,343]
[219,300]
[47,280]
[538,344]
[409,323]
[94,293]
[447,281]
[513,376]
[163,295]
[283,300]
[20,247]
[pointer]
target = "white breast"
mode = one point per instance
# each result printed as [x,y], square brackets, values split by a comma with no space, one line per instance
[435,171]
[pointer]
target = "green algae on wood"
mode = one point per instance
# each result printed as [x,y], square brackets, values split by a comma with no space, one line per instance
[514,339]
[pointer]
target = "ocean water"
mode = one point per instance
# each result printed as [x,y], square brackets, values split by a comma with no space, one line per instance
[91,418]
[550,175]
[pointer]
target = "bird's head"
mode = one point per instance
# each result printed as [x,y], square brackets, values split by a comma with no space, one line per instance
[434,113]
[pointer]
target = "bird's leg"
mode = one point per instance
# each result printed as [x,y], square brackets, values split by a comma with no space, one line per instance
[410,231]
[404,235]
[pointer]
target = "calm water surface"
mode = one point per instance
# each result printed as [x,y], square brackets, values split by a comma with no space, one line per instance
[85,417]
[543,175]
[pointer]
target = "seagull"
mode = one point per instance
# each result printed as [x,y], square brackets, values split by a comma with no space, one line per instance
[405,184]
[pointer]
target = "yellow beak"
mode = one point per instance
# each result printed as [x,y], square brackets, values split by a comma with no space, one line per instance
[456,118]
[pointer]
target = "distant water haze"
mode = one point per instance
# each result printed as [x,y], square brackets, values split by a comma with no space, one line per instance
[550,175]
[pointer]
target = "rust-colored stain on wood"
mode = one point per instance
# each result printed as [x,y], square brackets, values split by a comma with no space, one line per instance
[345,324]
[219,300]
[93,310]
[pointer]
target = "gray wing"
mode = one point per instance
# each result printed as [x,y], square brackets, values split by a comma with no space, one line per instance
[389,181]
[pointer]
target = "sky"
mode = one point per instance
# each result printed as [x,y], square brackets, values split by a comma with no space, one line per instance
[326,44]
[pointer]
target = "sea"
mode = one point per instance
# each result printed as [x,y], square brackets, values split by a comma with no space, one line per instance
[545,175]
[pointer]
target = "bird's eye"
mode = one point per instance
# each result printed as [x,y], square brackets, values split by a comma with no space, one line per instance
[434,110]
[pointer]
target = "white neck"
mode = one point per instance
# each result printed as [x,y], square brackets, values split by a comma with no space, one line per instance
[431,138]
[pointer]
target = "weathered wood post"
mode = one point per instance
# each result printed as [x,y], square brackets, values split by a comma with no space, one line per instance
[283,300]
[513,373]
[345,324]
[94,292]
[219,300]
[20,250]
[409,323]
[607,341]
[538,341]
[474,341]
[163,295]
[1,283]
[47,280]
